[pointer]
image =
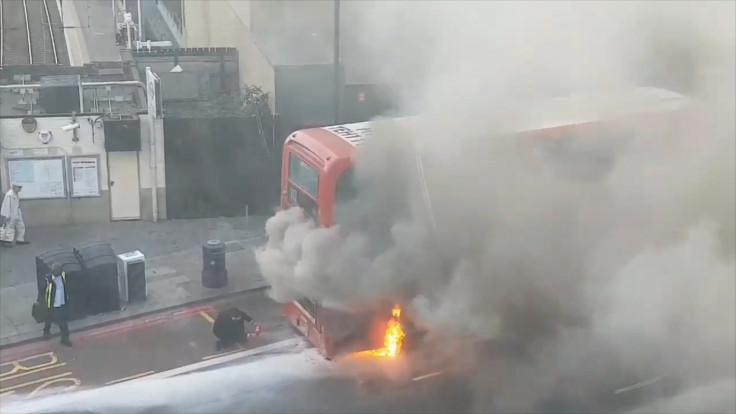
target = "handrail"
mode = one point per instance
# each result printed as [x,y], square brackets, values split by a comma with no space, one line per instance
[84,84]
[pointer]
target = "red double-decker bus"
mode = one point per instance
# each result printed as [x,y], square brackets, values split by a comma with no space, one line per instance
[318,164]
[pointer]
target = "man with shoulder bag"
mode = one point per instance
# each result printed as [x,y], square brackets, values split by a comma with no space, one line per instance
[56,304]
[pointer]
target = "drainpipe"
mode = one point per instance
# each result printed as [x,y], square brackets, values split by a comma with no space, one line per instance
[81,98]
[154,168]
[152,164]
[150,76]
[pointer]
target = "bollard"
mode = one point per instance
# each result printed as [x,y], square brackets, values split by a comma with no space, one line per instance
[214,270]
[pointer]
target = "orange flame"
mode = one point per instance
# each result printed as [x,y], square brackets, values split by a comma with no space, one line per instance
[392,338]
[394,333]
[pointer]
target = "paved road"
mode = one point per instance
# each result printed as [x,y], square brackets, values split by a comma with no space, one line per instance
[168,363]
[130,350]
[288,382]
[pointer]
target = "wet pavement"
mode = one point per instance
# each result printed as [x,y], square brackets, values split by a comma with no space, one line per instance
[132,350]
[155,240]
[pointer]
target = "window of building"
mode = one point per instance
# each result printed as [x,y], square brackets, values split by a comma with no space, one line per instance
[304,175]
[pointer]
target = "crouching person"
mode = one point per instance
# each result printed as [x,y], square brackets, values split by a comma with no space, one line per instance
[230,328]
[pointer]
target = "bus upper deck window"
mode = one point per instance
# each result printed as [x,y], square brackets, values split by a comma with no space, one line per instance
[304,175]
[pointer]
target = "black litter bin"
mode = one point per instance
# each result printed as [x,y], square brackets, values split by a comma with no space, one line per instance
[214,271]
[75,279]
[100,265]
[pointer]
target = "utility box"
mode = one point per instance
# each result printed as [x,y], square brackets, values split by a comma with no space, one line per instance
[132,277]
[59,94]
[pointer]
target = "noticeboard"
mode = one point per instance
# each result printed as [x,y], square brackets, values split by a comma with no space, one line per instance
[85,176]
[41,178]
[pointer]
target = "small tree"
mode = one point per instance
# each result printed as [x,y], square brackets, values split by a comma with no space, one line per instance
[247,101]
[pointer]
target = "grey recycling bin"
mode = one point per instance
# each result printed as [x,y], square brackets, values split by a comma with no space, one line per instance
[214,271]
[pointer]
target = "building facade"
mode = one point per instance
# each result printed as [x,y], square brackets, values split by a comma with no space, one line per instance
[81,152]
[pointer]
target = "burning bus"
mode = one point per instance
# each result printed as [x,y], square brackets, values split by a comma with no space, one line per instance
[317,176]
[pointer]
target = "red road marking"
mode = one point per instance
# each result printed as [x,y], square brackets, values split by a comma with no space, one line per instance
[14,353]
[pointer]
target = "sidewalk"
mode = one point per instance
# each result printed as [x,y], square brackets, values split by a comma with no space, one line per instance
[173,259]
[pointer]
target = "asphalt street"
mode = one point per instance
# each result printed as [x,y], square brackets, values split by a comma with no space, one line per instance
[167,363]
[131,350]
[286,381]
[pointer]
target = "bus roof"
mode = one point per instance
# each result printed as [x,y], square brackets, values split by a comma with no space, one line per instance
[341,140]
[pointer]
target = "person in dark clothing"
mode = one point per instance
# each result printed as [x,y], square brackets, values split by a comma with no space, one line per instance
[229,327]
[56,301]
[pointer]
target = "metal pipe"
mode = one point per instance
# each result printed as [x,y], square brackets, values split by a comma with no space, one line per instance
[84,84]
[140,22]
[127,25]
[81,98]
[149,44]
[115,83]
[22,86]
[336,60]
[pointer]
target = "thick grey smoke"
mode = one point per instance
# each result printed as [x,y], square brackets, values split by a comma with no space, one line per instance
[596,284]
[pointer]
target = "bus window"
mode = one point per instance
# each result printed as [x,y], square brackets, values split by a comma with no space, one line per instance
[304,201]
[304,175]
[584,156]
[308,306]
[346,190]
[346,193]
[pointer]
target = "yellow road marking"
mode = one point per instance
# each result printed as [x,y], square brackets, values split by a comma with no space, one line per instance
[17,366]
[239,348]
[7,393]
[15,387]
[75,383]
[132,377]
[207,317]
[33,371]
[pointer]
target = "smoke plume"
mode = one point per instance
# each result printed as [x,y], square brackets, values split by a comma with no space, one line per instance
[595,284]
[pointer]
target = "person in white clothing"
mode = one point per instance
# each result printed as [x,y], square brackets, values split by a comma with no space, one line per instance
[12,217]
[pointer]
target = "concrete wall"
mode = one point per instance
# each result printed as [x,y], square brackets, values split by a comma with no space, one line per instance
[227,24]
[15,143]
